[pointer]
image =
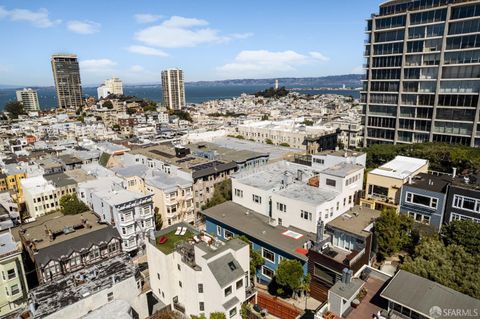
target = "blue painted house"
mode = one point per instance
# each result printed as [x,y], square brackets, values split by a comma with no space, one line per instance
[424,197]
[273,242]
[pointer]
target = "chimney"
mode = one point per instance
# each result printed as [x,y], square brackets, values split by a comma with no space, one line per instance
[349,274]
[344,275]
[454,172]
[409,179]
[299,175]
[320,230]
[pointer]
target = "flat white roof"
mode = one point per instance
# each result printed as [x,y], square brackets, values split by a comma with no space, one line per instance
[400,167]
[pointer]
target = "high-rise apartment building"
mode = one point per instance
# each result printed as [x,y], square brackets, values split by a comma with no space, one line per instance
[66,74]
[423,72]
[29,99]
[110,86]
[173,89]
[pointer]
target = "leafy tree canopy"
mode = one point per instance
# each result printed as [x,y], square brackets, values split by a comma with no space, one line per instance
[71,205]
[442,156]
[465,233]
[221,194]
[392,232]
[451,266]
[290,274]
[272,92]
[15,109]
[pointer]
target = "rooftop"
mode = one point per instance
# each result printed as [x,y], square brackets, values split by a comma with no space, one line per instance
[37,185]
[132,170]
[118,197]
[421,294]
[7,244]
[56,295]
[60,179]
[276,153]
[226,154]
[347,290]
[57,223]
[400,167]
[343,169]
[257,226]
[356,220]
[430,182]
[117,309]
[166,182]
[226,269]
[79,175]
[306,193]
[273,176]
[340,153]
[172,240]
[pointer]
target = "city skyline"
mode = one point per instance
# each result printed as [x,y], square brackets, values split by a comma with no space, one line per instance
[210,41]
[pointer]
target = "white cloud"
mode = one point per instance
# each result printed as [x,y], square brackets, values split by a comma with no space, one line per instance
[146,17]
[137,68]
[182,22]
[181,32]
[319,56]
[241,35]
[83,27]
[140,49]
[255,63]
[37,18]
[99,65]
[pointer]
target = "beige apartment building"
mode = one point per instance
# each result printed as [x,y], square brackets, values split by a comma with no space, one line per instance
[384,183]
[173,88]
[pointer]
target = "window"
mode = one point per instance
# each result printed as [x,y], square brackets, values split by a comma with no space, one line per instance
[238,192]
[158,276]
[178,267]
[268,255]
[201,306]
[257,199]
[200,288]
[306,215]
[180,284]
[11,273]
[318,161]
[232,312]
[239,284]
[227,234]
[110,296]
[228,291]
[281,207]
[422,200]
[15,289]
[466,203]
[94,253]
[267,272]
[219,231]
[331,182]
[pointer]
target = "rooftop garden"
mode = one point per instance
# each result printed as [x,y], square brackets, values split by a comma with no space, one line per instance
[166,243]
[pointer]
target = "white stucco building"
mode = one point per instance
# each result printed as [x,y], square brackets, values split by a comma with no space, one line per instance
[297,195]
[200,275]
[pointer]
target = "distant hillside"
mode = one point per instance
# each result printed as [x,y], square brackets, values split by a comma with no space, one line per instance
[349,80]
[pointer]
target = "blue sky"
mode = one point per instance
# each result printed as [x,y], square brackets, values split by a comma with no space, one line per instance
[208,39]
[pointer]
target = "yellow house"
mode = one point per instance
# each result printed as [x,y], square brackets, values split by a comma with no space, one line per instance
[384,183]
[13,284]
[3,182]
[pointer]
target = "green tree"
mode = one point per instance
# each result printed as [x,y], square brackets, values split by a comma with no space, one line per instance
[290,274]
[464,233]
[71,205]
[202,316]
[222,193]
[285,144]
[108,104]
[392,232]
[15,109]
[131,111]
[265,117]
[451,266]
[256,259]
[307,123]
[116,127]
[268,141]
[217,315]
[158,219]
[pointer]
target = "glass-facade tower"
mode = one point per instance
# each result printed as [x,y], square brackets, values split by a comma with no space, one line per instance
[423,73]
